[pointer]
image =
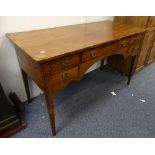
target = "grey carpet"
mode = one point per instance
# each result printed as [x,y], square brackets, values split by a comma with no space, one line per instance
[88,109]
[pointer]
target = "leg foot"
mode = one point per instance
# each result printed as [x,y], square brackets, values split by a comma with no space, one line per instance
[102,64]
[50,104]
[25,80]
[131,69]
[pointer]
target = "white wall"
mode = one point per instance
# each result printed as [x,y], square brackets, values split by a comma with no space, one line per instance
[10,75]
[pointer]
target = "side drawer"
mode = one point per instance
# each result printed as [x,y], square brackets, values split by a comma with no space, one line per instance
[135,48]
[104,50]
[65,63]
[65,76]
[136,38]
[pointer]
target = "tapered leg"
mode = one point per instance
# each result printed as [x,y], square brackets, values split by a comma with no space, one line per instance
[102,64]
[50,104]
[131,69]
[25,80]
[49,96]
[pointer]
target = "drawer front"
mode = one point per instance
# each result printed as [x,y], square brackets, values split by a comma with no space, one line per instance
[137,38]
[65,63]
[103,50]
[65,76]
[135,48]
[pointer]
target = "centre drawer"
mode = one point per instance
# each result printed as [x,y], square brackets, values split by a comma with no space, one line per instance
[104,50]
[65,63]
[65,76]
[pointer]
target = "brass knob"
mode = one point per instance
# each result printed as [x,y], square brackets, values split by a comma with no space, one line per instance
[123,45]
[66,76]
[93,53]
[65,63]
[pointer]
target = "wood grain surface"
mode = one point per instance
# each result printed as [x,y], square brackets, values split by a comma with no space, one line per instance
[47,44]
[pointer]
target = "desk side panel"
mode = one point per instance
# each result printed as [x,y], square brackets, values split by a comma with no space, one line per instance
[32,69]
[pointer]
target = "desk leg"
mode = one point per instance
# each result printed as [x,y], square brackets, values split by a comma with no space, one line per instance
[131,69]
[50,104]
[26,84]
[102,64]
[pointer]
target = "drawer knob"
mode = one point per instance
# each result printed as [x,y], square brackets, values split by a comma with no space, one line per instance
[123,45]
[66,76]
[93,53]
[65,63]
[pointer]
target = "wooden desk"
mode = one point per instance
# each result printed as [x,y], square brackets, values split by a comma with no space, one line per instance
[55,57]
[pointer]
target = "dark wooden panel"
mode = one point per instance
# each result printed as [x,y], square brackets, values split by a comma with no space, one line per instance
[10,121]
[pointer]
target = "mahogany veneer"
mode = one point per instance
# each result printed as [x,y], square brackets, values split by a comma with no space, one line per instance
[56,56]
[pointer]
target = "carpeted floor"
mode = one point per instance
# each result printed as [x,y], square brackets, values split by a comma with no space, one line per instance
[88,109]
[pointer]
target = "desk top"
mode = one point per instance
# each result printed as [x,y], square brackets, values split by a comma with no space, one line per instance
[47,44]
